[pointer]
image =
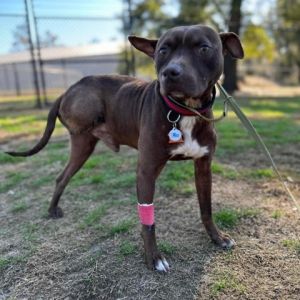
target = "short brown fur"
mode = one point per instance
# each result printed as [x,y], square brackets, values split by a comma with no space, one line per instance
[122,110]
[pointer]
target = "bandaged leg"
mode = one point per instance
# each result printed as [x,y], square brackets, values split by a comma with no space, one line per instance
[146,213]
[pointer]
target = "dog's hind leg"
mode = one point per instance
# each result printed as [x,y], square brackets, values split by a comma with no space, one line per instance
[82,146]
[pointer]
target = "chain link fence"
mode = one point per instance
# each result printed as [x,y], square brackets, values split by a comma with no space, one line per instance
[54,44]
[48,45]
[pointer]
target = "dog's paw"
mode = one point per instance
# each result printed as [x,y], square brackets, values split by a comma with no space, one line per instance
[55,213]
[157,263]
[225,241]
[161,265]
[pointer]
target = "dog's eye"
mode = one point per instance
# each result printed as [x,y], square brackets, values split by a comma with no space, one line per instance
[163,50]
[203,49]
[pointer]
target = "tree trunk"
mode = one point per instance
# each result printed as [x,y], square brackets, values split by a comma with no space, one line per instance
[230,64]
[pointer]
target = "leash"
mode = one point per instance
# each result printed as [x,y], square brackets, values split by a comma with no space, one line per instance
[229,100]
[186,110]
[199,114]
[252,131]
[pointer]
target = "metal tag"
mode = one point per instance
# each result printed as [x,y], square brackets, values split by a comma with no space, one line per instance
[175,136]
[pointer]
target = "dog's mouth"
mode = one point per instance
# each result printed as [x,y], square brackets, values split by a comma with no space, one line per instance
[194,102]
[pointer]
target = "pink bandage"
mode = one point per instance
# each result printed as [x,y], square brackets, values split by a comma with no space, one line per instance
[146,213]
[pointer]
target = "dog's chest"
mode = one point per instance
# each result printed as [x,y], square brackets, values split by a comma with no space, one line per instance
[190,147]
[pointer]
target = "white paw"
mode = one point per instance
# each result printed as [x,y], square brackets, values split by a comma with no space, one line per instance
[162,265]
[229,244]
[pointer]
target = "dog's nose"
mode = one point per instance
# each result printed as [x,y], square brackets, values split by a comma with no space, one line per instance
[172,72]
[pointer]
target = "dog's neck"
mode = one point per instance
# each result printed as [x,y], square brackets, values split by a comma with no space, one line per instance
[206,98]
[194,103]
[182,106]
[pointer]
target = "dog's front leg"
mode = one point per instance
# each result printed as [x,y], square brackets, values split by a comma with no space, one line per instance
[203,179]
[148,171]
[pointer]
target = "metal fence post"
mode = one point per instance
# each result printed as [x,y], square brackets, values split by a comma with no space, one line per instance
[33,63]
[6,77]
[17,81]
[39,56]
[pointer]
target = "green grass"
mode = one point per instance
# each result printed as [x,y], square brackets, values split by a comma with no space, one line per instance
[127,248]
[105,167]
[226,172]
[7,159]
[277,214]
[42,180]
[19,207]
[122,227]
[259,173]
[275,120]
[228,218]
[166,247]
[176,177]
[30,232]
[12,180]
[94,216]
[9,261]
[227,281]
[293,244]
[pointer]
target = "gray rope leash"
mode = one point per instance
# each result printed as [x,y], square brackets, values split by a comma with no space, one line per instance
[252,131]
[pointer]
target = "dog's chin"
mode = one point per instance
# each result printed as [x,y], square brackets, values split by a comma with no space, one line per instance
[188,100]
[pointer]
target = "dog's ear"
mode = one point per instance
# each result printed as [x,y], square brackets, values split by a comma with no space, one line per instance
[145,45]
[232,44]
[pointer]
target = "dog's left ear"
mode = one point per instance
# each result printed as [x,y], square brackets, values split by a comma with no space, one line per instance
[232,44]
[145,45]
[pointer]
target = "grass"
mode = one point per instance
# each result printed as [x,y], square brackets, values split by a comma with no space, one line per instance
[166,247]
[176,177]
[229,218]
[30,232]
[7,159]
[111,178]
[226,172]
[5,262]
[275,120]
[227,281]
[103,168]
[94,216]
[277,214]
[127,248]
[122,227]
[19,207]
[260,173]
[293,244]
[12,180]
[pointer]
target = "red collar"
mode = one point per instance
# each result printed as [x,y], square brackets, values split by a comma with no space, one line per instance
[181,108]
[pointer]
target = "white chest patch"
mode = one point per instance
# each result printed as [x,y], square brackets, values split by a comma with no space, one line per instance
[190,147]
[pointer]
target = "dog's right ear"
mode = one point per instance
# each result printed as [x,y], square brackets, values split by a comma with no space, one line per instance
[145,45]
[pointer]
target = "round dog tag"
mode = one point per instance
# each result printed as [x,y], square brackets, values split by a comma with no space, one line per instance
[175,136]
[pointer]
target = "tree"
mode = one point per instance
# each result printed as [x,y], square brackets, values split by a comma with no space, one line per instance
[49,39]
[148,18]
[21,39]
[257,44]
[230,64]
[288,32]
[190,12]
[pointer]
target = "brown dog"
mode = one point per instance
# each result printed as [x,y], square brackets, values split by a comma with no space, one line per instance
[121,110]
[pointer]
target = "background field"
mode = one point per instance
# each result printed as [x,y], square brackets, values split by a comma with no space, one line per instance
[95,251]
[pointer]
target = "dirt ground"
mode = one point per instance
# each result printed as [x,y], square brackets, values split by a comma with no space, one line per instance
[59,259]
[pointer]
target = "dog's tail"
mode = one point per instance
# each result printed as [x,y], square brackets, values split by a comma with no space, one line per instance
[53,113]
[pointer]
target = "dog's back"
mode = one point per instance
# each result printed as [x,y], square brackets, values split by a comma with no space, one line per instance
[84,104]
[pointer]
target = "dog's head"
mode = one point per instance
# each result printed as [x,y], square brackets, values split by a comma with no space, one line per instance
[189,59]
